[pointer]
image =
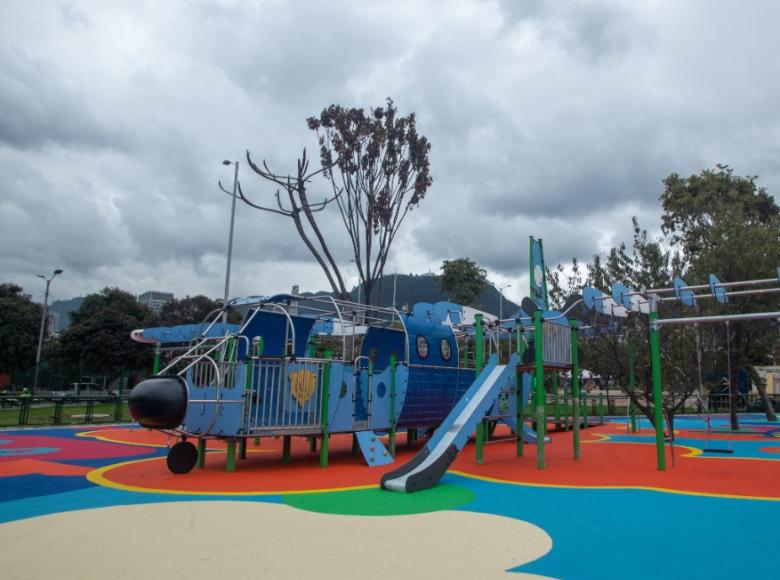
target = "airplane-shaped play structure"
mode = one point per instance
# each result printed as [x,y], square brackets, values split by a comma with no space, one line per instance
[314,366]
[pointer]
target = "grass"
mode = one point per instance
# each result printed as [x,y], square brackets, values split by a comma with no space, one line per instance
[72,414]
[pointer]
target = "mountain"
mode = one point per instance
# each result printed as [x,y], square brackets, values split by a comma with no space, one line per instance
[411,289]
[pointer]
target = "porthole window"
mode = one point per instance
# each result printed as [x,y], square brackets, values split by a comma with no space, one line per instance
[422,347]
[446,352]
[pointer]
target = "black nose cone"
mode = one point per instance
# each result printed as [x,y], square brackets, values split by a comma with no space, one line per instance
[159,402]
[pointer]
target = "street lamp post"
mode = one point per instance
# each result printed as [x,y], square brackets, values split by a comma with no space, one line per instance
[43,326]
[359,285]
[501,300]
[230,239]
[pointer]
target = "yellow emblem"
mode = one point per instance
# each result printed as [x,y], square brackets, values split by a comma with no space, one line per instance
[303,383]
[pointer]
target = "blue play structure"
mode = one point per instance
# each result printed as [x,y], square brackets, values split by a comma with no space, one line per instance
[313,366]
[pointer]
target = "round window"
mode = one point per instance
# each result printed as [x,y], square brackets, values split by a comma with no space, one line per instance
[381,389]
[422,347]
[446,352]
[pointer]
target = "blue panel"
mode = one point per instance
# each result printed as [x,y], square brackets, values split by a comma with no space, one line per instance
[681,291]
[538,273]
[591,299]
[386,341]
[442,310]
[620,294]
[718,291]
[431,394]
[186,332]
[433,334]
[422,310]
[272,326]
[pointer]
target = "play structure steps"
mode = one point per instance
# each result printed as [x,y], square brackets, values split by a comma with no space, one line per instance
[373,450]
[432,461]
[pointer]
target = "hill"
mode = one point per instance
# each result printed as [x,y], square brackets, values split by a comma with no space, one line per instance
[411,289]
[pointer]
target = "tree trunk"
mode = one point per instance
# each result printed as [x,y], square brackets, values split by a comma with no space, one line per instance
[761,387]
[732,382]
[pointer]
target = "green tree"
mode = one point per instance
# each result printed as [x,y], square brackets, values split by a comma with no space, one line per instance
[377,166]
[20,320]
[192,310]
[98,338]
[725,224]
[463,280]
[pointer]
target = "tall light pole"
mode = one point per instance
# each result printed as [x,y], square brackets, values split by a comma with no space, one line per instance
[230,239]
[501,301]
[43,326]
[360,286]
[395,282]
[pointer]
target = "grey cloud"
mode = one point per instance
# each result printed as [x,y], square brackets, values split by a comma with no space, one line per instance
[550,119]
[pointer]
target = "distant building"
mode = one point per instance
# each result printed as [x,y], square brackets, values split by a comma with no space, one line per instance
[53,323]
[155,300]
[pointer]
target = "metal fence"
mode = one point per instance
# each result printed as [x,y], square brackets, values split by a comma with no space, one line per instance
[557,344]
[286,395]
[21,411]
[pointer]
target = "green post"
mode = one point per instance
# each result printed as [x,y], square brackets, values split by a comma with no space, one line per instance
[632,383]
[325,445]
[393,420]
[118,407]
[257,441]
[201,463]
[479,362]
[312,347]
[242,448]
[157,354]
[585,411]
[230,461]
[541,413]
[312,443]
[519,389]
[601,408]
[556,403]
[286,445]
[655,361]
[575,389]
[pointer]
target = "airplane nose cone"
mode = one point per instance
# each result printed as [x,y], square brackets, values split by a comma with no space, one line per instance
[159,402]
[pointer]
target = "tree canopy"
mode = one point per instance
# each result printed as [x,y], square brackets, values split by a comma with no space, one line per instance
[20,320]
[191,310]
[98,338]
[463,279]
[712,222]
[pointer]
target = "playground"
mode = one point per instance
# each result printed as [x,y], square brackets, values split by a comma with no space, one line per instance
[325,438]
[88,492]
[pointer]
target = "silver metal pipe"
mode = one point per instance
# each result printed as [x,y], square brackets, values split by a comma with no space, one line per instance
[719,318]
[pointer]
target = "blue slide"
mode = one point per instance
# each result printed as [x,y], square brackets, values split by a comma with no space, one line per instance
[426,468]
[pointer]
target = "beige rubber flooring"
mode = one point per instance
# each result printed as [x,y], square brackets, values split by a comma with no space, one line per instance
[226,540]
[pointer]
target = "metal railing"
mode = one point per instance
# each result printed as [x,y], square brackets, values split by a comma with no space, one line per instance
[22,411]
[557,344]
[285,394]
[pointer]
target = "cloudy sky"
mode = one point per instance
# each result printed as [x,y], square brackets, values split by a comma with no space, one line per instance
[552,119]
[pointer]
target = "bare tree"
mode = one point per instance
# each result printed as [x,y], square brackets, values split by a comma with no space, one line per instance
[297,206]
[377,167]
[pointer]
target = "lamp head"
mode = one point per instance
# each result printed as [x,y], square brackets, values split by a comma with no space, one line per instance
[56,272]
[226,162]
